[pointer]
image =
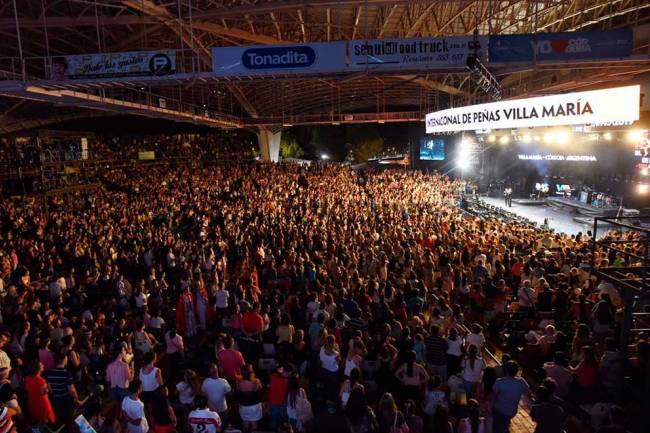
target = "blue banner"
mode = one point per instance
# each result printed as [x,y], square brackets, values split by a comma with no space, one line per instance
[561,47]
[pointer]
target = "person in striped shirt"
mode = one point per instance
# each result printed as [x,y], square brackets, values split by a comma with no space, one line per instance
[202,419]
[63,393]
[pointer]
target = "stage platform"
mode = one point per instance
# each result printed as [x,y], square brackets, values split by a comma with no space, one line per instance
[570,205]
[559,220]
[528,202]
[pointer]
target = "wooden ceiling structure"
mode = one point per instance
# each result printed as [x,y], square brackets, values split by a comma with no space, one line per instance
[33,30]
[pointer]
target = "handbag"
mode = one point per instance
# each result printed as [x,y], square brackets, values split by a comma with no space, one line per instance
[304,411]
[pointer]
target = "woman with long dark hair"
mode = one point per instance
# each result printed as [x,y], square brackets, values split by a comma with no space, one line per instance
[412,377]
[472,367]
[359,416]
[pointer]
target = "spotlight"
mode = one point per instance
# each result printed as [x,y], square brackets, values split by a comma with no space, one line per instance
[607,136]
[549,137]
[504,140]
[562,137]
[643,188]
[492,138]
[324,156]
[526,138]
[462,163]
[635,136]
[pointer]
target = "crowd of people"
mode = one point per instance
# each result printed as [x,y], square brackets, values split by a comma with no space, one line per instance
[256,296]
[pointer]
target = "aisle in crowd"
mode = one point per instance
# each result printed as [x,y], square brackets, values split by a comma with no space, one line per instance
[288,298]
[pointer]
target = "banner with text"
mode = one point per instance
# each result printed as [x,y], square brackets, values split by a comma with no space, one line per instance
[561,47]
[580,108]
[110,65]
[416,53]
[279,59]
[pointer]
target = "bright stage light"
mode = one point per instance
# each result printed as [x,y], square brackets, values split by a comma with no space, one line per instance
[462,164]
[526,138]
[324,156]
[492,138]
[643,188]
[635,136]
[549,137]
[504,139]
[607,136]
[562,137]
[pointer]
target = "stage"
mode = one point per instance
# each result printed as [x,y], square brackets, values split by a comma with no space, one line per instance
[559,221]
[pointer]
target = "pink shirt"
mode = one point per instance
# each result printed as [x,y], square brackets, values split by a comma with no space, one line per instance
[173,344]
[118,374]
[47,359]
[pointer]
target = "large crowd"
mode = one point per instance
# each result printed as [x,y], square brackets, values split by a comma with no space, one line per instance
[280,297]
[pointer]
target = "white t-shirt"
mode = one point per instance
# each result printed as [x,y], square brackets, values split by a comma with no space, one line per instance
[216,390]
[455,347]
[472,374]
[222,298]
[328,361]
[204,421]
[477,340]
[134,410]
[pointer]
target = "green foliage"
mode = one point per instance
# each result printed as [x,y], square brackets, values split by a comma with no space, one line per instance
[364,141]
[289,146]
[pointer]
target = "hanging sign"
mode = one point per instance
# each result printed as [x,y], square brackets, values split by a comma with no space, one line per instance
[416,53]
[619,104]
[110,65]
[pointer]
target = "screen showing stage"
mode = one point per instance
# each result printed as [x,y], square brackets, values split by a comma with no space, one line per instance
[432,149]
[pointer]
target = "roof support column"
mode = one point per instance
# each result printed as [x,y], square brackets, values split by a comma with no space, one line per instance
[269,143]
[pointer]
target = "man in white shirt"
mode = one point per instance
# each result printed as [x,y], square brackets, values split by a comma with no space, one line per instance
[216,388]
[202,419]
[133,409]
[5,362]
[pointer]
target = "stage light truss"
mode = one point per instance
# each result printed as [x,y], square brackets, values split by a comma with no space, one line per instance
[483,77]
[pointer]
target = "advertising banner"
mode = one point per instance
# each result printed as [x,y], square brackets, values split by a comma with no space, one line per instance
[279,59]
[110,65]
[580,108]
[561,47]
[416,53]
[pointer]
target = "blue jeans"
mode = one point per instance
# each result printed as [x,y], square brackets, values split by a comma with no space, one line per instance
[500,422]
[277,415]
[118,393]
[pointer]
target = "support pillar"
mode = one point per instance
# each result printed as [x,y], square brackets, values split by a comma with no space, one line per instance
[269,143]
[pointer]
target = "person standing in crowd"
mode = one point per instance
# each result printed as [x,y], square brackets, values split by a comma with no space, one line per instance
[436,352]
[119,375]
[249,389]
[133,409]
[39,408]
[508,391]
[216,389]
[549,417]
[62,390]
[202,419]
[472,369]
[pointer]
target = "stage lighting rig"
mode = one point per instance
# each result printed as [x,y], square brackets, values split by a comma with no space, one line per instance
[479,73]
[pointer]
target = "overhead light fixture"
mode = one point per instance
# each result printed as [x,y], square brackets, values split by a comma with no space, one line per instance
[563,137]
[492,138]
[287,125]
[549,137]
[635,136]
[526,138]
[504,139]
[607,136]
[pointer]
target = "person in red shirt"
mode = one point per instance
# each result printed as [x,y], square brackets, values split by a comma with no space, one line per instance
[253,322]
[277,396]
[230,360]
